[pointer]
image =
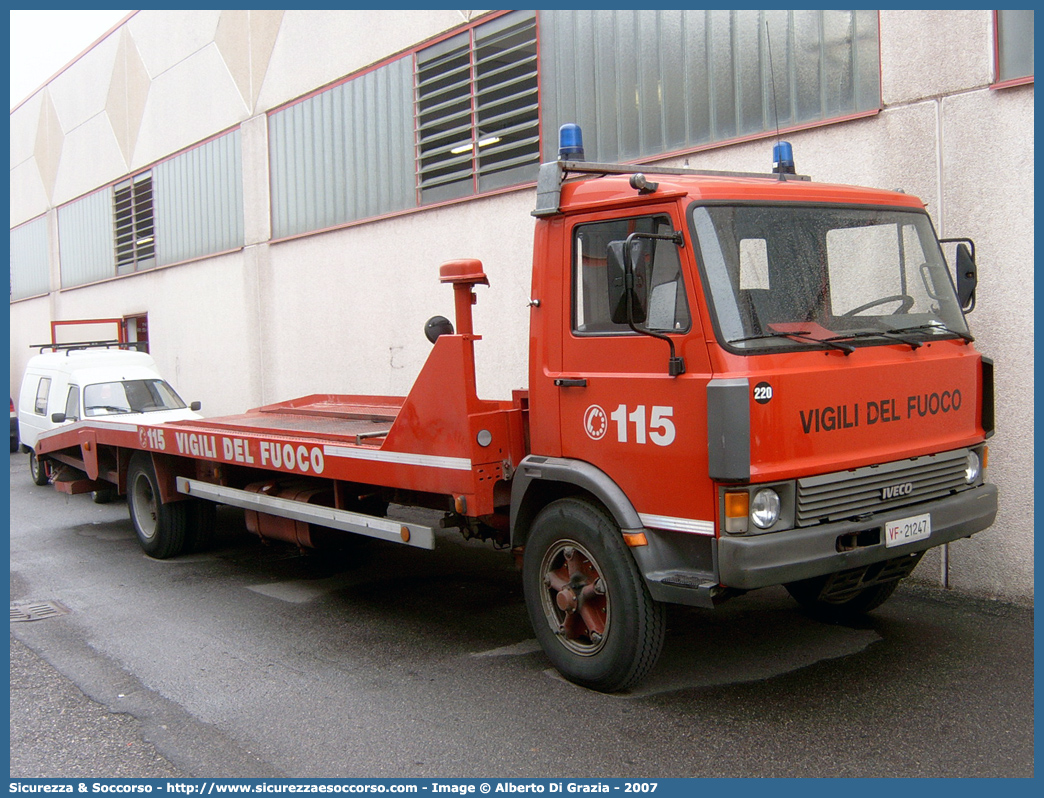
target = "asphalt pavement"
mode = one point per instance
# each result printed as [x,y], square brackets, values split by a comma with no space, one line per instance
[255,660]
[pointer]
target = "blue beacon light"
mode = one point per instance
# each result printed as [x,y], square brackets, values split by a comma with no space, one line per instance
[570,143]
[783,158]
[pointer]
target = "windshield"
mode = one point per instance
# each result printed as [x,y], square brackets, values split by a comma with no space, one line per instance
[798,276]
[129,396]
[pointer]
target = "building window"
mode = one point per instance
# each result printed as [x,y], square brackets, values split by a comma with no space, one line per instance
[197,198]
[30,271]
[649,82]
[477,109]
[133,221]
[345,153]
[1014,51]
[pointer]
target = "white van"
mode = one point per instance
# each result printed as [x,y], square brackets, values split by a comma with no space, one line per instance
[64,386]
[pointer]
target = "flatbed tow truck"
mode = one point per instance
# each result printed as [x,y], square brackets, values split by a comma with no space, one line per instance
[735,381]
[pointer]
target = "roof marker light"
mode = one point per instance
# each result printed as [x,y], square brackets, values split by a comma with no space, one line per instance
[570,143]
[783,158]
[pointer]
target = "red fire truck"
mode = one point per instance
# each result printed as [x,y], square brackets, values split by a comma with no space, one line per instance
[735,381]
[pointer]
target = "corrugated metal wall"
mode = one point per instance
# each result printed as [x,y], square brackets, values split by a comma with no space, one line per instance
[642,83]
[344,154]
[30,274]
[198,198]
[85,239]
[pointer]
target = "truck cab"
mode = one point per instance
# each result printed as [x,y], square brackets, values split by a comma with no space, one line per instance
[761,379]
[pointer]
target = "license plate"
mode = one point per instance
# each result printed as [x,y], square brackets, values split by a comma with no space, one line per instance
[908,530]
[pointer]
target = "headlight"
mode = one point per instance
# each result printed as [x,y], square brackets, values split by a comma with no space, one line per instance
[971,471]
[764,508]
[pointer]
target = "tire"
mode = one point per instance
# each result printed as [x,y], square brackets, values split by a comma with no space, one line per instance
[14,444]
[806,593]
[37,470]
[587,601]
[161,528]
[103,495]
[202,518]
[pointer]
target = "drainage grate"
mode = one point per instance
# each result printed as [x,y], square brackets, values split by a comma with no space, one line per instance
[36,610]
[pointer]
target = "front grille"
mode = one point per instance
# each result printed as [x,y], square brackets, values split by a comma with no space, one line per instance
[848,494]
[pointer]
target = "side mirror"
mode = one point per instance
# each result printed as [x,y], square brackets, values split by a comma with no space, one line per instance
[58,418]
[195,406]
[628,273]
[967,277]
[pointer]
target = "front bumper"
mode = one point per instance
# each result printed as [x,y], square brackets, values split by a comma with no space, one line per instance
[780,557]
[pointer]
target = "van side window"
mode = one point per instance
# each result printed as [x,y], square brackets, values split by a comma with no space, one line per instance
[72,404]
[42,390]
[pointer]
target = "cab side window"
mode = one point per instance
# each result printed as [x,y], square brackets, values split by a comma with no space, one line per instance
[668,306]
[72,404]
[42,390]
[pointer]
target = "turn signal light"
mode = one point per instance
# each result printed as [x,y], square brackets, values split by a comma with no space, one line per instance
[737,507]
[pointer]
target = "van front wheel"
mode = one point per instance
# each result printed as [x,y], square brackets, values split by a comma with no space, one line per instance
[37,470]
[160,527]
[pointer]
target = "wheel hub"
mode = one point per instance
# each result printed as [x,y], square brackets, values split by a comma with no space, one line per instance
[576,602]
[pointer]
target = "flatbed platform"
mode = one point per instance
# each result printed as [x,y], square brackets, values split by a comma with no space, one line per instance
[335,419]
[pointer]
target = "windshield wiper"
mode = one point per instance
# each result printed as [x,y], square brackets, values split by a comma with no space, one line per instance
[804,335]
[966,337]
[893,334]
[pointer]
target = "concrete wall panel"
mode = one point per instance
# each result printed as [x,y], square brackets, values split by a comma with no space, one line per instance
[23,129]
[79,94]
[200,84]
[257,219]
[166,38]
[360,329]
[90,158]
[28,198]
[198,313]
[988,171]
[930,53]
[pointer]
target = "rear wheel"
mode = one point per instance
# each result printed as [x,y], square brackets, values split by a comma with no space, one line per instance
[199,536]
[808,593]
[161,528]
[588,604]
[37,470]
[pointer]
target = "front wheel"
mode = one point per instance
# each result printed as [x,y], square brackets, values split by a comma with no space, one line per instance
[161,528]
[37,470]
[808,593]
[588,604]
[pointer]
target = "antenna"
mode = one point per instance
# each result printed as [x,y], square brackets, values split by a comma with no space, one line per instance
[782,153]
[772,77]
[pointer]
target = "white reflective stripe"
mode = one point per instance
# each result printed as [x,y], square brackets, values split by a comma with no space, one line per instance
[689,525]
[399,458]
[88,424]
[111,425]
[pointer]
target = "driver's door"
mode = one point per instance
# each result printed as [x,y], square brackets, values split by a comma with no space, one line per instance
[620,409]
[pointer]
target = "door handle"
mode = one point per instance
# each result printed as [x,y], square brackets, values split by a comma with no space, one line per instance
[569,382]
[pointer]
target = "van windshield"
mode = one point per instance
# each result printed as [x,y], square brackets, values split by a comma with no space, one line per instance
[786,277]
[129,396]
